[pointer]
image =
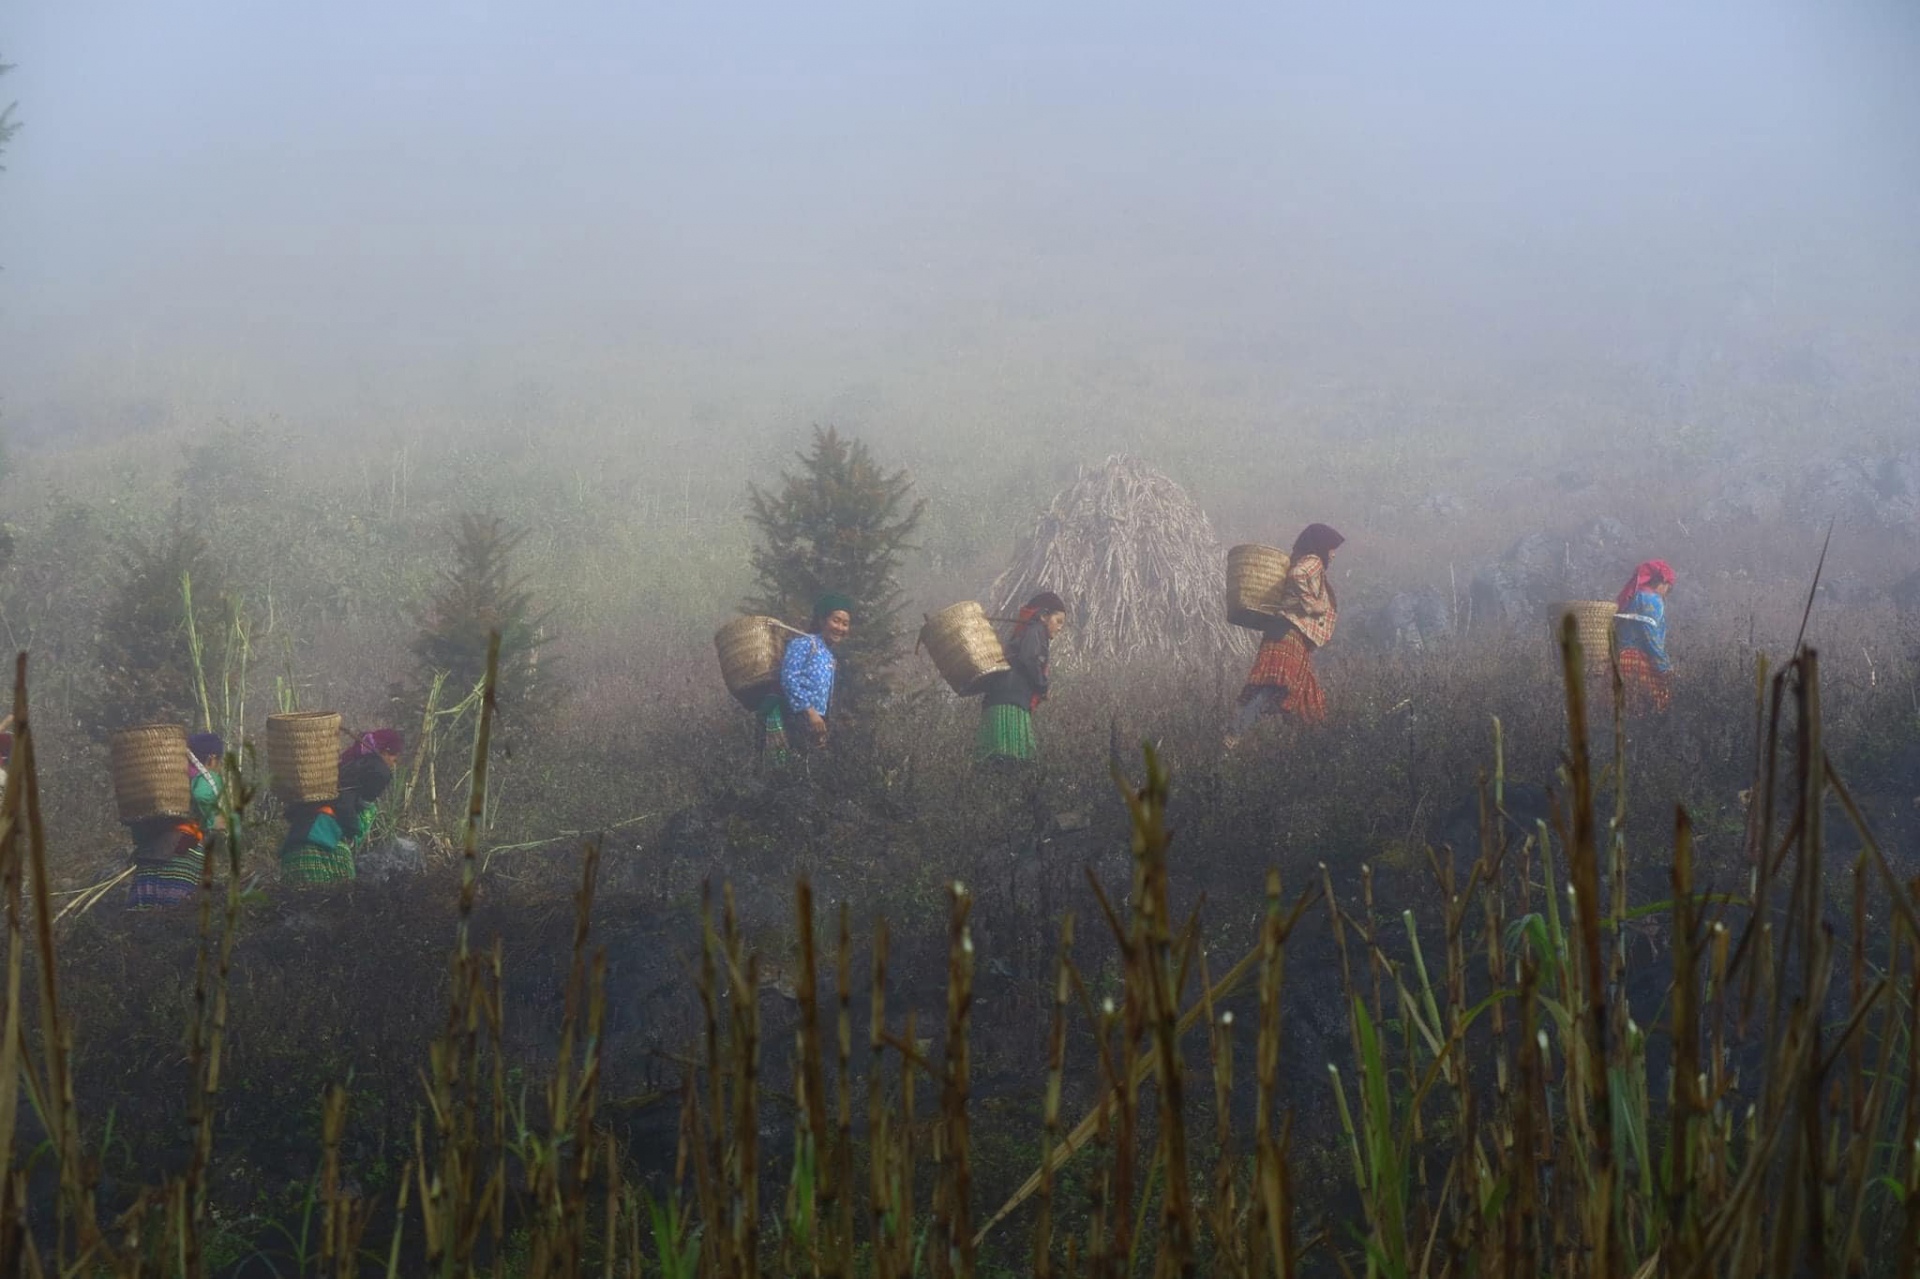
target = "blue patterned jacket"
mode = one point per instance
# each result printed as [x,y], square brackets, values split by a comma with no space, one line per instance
[1647,629]
[806,675]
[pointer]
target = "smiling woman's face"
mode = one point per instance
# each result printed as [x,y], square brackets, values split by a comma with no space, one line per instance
[835,625]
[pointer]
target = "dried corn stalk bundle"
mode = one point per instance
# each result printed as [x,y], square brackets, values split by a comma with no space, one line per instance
[1137,563]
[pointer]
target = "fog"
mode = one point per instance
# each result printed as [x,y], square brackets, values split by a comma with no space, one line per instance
[411,360]
[347,211]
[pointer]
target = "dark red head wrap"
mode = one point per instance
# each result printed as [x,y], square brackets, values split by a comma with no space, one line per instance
[1650,574]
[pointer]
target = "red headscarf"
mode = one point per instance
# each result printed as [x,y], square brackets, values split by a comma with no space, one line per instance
[381,741]
[1651,573]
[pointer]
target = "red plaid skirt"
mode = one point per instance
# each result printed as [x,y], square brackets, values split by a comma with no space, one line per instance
[1648,688]
[1286,664]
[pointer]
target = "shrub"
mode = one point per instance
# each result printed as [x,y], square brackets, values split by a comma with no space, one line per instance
[839,524]
[142,647]
[479,595]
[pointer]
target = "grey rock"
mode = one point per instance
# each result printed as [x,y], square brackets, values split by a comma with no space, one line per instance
[1906,593]
[1846,589]
[1601,555]
[1605,534]
[1899,476]
[1411,621]
[1755,498]
[388,860]
[1543,568]
[1538,558]
[1845,491]
[1498,596]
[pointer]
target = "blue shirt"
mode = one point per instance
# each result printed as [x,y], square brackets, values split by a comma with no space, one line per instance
[1649,636]
[806,675]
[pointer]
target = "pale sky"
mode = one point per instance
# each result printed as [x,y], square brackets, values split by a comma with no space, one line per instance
[376,195]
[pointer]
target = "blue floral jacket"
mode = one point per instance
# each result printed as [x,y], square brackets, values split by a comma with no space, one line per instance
[806,675]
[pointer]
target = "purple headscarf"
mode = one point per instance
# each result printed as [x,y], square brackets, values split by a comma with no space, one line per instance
[381,741]
[202,747]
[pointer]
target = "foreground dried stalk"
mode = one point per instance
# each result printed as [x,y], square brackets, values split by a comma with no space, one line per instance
[1498,1105]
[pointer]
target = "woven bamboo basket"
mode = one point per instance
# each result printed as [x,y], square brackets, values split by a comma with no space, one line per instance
[1256,575]
[150,772]
[1592,624]
[964,647]
[750,649]
[303,755]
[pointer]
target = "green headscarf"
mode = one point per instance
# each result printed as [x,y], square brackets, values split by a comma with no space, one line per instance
[832,602]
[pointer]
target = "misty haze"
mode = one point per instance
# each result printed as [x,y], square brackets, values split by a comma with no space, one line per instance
[894,640]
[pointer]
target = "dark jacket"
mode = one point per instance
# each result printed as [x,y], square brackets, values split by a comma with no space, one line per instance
[1027,677]
[160,839]
[363,781]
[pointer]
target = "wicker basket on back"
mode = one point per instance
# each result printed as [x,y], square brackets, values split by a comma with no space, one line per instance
[1256,575]
[1593,624]
[303,755]
[150,772]
[964,647]
[750,649]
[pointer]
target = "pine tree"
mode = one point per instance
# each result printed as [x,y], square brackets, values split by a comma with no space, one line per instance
[8,125]
[839,523]
[479,595]
[142,650]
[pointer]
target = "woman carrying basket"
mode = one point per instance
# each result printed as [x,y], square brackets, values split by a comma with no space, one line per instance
[1013,695]
[169,853]
[322,836]
[793,719]
[1646,672]
[1282,681]
[366,770]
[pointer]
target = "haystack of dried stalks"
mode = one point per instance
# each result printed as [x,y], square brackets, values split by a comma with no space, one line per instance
[1136,561]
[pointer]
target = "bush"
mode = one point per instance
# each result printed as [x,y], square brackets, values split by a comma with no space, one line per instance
[145,660]
[478,595]
[839,524]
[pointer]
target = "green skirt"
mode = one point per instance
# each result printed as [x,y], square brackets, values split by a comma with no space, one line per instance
[310,865]
[1006,732]
[775,752]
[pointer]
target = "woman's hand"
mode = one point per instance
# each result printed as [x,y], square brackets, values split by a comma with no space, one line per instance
[817,725]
